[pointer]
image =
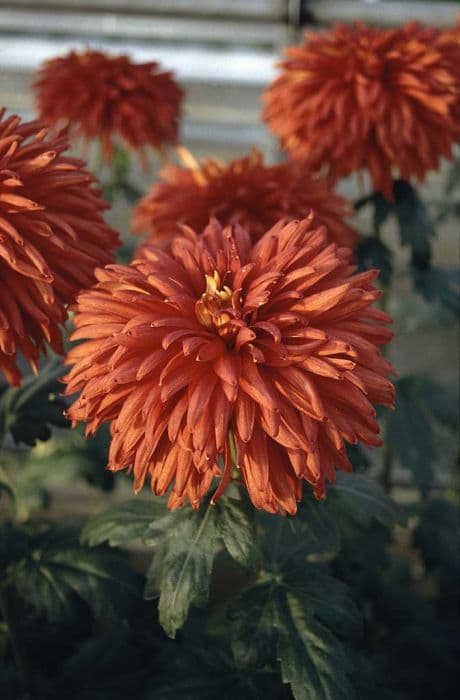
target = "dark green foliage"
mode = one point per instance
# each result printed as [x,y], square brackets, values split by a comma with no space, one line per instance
[437,537]
[312,660]
[115,664]
[208,673]
[357,497]
[28,412]
[381,209]
[296,611]
[438,284]
[182,566]
[416,228]
[57,575]
[373,253]
[420,405]
[181,569]
[416,231]
[186,542]
[124,523]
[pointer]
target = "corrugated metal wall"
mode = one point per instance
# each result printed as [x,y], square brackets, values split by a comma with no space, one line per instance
[223,51]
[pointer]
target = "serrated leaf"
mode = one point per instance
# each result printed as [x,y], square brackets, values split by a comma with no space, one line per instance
[252,626]
[326,597]
[235,521]
[360,498]
[313,661]
[182,569]
[29,411]
[123,523]
[57,575]
[187,544]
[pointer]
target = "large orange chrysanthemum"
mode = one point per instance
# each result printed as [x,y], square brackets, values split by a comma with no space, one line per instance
[274,346]
[52,236]
[357,98]
[246,192]
[101,96]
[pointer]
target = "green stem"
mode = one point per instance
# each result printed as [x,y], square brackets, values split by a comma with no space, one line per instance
[17,648]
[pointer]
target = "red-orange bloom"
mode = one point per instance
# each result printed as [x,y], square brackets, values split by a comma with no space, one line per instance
[356,98]
[448,45]
[246,192]
[275,343]
[52,236]
[100,96]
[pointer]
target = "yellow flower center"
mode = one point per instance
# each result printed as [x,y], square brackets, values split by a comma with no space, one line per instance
[218,306]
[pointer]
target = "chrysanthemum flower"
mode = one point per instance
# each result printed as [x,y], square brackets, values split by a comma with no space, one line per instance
[109,97]
[448,45]
[52,236]
[246,192]
[356,98]
[273,346]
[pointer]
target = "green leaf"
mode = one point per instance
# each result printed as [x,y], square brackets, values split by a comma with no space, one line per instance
[207,673]
[326,597]
[438,532]
[187,544]
[361,499]
[58,574]
[123,523]
[439,284]
[313,661]
[252,615]
[410,427]
[236,525]
[312,531]
[372,253]
[182,568]
[381,209]
[252,625]
[437,537]
[415,225]
[29,411]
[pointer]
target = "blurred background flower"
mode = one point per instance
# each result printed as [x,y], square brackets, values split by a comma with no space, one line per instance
[245,191]
[359,98]
[111,98]
[52,236]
